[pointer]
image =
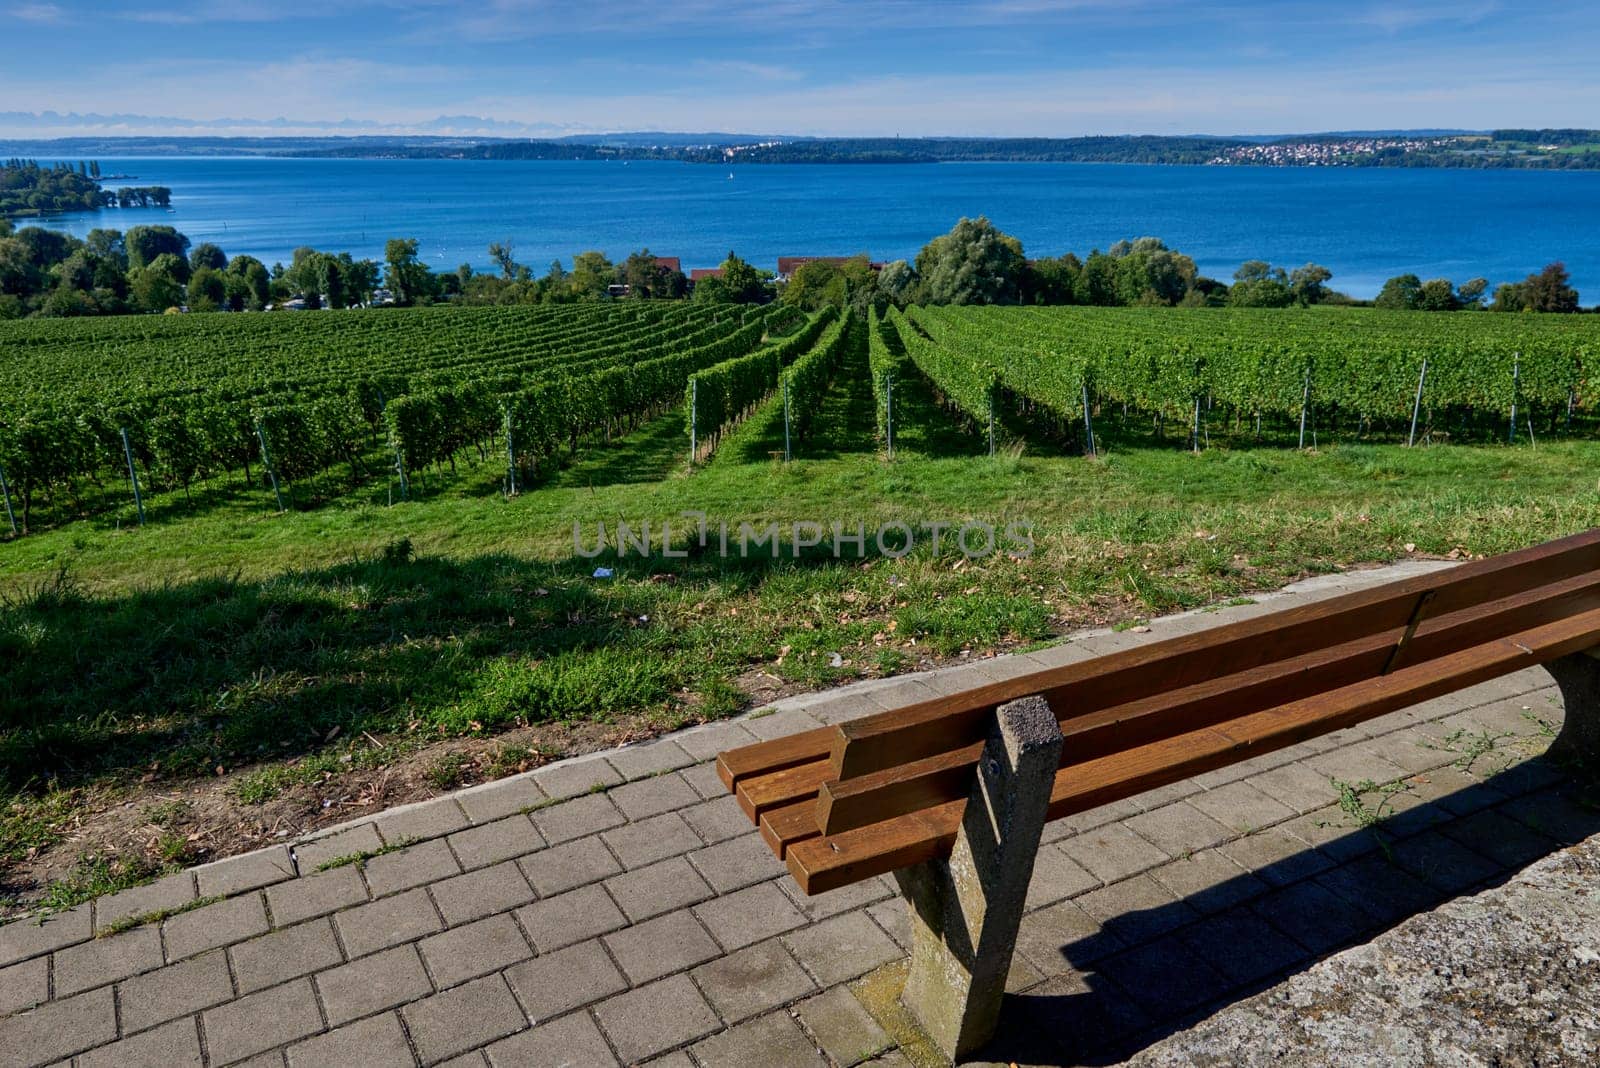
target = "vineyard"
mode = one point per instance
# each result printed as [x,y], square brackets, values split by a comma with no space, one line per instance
[94,411]
[1355,368]
[182,399]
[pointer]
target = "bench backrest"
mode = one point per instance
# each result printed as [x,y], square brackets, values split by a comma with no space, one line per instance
[886,790]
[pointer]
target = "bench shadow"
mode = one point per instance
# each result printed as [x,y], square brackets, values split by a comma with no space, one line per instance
[1150,973]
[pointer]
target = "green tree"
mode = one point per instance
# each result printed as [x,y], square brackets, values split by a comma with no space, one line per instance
[145,243]
[502,253]
[592,276]
[1258,284]
[1399,293]
[1509,297]
[250,286]
[1053,280]
[208,289]
[745,284]
[108,243]
[647,278]
[407,277]
[1310,283]
[1437,295]
[1549,291]
[156,287]
[1097,282]
[207,254]
[898,282]
[972,264]
[1471,293]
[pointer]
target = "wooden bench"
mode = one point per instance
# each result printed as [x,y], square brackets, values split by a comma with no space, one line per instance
[951,794]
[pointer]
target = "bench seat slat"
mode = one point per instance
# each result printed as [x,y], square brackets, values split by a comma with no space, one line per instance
[760,793]
[846,804]
[825,863]
[763,758]
[884,740]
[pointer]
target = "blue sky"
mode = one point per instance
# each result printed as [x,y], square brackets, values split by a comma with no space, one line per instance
[1004,67]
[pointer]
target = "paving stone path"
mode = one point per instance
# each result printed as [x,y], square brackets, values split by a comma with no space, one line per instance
[619,909]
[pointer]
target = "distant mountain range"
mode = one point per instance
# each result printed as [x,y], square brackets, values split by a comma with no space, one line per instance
[1542,149]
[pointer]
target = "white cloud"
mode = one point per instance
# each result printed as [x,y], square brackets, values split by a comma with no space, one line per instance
[37,12]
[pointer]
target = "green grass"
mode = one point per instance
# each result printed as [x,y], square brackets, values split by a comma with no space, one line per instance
[312,643]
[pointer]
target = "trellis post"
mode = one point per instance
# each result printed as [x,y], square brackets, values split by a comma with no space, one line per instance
[511,456]
[1516,384]
[888,410]
[5,491]
[991,420]
[694,412]
[1416,405]
[133,476]
[786,453]
[1088,424]
[266,461]
[1305,405]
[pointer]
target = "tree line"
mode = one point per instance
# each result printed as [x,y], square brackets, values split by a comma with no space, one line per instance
[151,269]
[27,188]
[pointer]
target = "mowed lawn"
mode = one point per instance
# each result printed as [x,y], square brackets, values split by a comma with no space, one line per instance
[282,649]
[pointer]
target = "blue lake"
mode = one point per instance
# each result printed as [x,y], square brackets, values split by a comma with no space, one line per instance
[1365,225]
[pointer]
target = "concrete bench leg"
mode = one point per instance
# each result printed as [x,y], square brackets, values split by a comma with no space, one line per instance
[1578,676]
[965,911]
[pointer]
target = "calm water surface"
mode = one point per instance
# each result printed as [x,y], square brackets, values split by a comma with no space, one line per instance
[1365,225]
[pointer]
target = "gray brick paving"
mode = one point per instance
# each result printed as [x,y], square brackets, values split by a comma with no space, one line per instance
[60,1028]
[569,865]
[258,1022]
[24,985]
[646,892]
[380,981]
[570,978]
[661,946]
[172,1045]
[481,893]
[463,953]
[495,800]
[362,838]
[379,1042]
[285,954]
[248,872]
[464,1018]
[218,924]
[171,892]
[775,1041]
[648,921]
[426,820]
[749,915]
[417,865]
[572,1042]
[177,990]
[105,960]
[388,922]
[30,936]
[491,843]
[651,839]
[653,1019]
[571,917]
[753,980]
[316,895]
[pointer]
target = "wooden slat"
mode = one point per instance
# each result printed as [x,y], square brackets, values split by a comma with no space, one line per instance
[763,758]
[850,803]
[936,726]
[825,863]
[763,792]
[782,827]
